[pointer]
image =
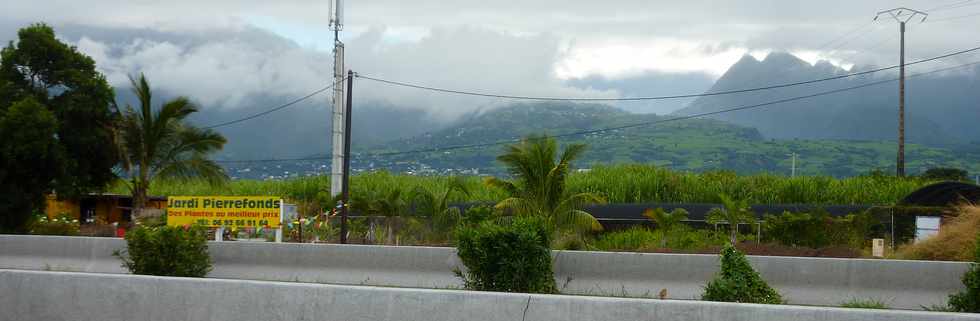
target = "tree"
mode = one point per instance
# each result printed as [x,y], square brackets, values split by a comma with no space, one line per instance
[22,191]
[390,205]
[156,143]
[436,205]
[733,213]
[79,155]
[539,185]
[665,221]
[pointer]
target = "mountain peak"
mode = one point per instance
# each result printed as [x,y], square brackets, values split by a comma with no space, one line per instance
[784,59]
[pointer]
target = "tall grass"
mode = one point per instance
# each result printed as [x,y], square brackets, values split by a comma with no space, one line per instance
[619,184]
[955,241]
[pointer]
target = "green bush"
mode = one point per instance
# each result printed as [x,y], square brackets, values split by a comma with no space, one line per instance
[631,239]
[63,224]
[167,251]
[738,282]
[818,229]
[509,257]
[969,300]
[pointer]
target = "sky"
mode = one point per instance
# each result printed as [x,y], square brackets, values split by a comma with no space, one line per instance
[227,54]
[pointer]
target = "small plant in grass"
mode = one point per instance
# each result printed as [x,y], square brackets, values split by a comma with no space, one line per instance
[508,257]
[738,282]
[167,251]
[733,213]
[864,304]
[969,300]
[665,221]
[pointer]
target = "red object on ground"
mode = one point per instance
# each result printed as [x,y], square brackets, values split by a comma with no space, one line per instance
[120,232]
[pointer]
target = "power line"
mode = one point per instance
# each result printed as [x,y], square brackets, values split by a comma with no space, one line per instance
[957,17]
[513,140]
[277,108]
[951,4]
[726,92]
[753,106]
[962,4]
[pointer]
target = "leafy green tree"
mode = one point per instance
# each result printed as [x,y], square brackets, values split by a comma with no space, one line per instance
[436,205]
[39,70]
[733,213]
[538,188]
[23,188]
[156,143]
[665,221]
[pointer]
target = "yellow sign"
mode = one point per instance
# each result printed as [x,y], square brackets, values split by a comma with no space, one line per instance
[224,211]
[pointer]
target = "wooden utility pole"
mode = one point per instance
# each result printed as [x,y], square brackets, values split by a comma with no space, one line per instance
[901,15]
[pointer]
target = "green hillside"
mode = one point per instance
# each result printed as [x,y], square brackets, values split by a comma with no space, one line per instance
[687,145]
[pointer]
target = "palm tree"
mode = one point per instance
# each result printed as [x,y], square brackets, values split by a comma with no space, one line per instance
[539,184]
[733,213]
[665,221]
[390,205]
[436,205]
[156,143]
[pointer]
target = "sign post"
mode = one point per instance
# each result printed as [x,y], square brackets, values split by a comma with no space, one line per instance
[223,212]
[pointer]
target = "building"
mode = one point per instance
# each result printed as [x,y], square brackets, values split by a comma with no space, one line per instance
[91,208]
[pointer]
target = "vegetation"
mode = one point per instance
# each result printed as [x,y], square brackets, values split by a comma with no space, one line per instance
[738,282]
[539,186]
[864,304]
[945,174]
[955,241]
[666,222]
[634,183]
[56,122]
[818,229]
[695,145]
[435,205]
[391,205]
[733,213]
[156,143]
[969,300]
[167,251]
[509,257]
[63,224]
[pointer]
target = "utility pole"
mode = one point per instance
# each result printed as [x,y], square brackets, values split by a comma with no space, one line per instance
[345,211]
[339,128]
[793,170]
[901,15]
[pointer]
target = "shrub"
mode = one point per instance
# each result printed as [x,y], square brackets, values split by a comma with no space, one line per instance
[945,174]
[631,239]
[817,229]
[510,257]
[969,300]
[864,304]
[63,224]
[167,251]
[955,241]
[738,282]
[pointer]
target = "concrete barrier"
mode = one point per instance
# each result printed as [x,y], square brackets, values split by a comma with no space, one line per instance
[37,295]
[808,281]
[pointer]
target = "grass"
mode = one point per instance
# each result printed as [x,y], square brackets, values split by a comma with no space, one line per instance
[619,184]
[864,304]
[955,241]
